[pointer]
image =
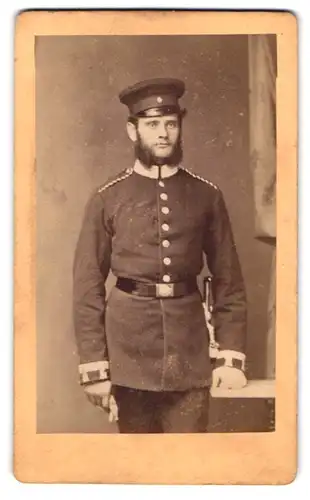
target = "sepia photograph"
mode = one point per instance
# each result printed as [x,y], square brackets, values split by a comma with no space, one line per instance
[156,181]
[155,204]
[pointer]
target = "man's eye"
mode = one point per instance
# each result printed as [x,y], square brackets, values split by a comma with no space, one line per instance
[172,124]
[152,124]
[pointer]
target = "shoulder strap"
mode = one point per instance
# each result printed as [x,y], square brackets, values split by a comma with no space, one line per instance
[196,176]
[120,177]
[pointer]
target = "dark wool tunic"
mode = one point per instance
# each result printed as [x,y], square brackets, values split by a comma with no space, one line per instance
[154,230]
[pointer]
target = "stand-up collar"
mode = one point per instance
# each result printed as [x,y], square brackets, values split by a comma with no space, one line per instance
[153,171]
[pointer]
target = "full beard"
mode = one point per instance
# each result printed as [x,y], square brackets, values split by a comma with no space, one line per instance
[147,158]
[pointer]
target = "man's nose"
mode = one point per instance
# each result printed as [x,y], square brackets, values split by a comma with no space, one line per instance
[162,130]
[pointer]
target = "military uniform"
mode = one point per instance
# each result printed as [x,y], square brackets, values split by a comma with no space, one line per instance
[151,228]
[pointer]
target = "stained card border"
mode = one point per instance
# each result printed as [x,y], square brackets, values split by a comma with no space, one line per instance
[251,458]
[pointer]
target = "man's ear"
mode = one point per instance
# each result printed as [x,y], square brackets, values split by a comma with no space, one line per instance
[132,131]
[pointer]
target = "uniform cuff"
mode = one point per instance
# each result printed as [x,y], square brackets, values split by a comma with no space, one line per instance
[95,371]
[233,359]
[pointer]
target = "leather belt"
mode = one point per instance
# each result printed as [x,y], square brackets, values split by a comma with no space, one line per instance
[159,290]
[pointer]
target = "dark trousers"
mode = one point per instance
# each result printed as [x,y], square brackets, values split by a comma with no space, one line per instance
[151,412]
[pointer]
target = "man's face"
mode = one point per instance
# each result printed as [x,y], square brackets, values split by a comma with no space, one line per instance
[159,135]
[158,140]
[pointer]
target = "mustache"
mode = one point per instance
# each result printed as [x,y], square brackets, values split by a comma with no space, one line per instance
[145,155]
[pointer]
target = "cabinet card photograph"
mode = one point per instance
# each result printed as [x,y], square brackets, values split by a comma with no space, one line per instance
[155,198]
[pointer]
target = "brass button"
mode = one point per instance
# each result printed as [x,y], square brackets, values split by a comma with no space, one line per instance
[165,210]
[165,227]
[167,261]
[161,184]
[166,278]
[166,243]
[164,196]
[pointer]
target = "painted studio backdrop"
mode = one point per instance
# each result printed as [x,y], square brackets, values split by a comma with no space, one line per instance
[228,137]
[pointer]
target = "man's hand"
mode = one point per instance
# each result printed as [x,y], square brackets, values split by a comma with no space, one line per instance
[228,377]
[100,395]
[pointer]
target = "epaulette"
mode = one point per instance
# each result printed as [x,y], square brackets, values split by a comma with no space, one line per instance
[120,177]
[200,178]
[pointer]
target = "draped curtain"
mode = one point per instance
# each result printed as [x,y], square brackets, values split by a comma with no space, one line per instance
[262,104]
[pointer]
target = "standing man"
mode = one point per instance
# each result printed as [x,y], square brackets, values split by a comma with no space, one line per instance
[144,350]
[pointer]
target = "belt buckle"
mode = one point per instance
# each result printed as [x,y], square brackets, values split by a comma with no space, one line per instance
[164,290]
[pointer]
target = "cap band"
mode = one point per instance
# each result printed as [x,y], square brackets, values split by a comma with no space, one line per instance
[163,111]
[153,101]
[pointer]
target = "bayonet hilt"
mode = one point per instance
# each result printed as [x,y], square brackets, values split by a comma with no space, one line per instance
[208,308]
